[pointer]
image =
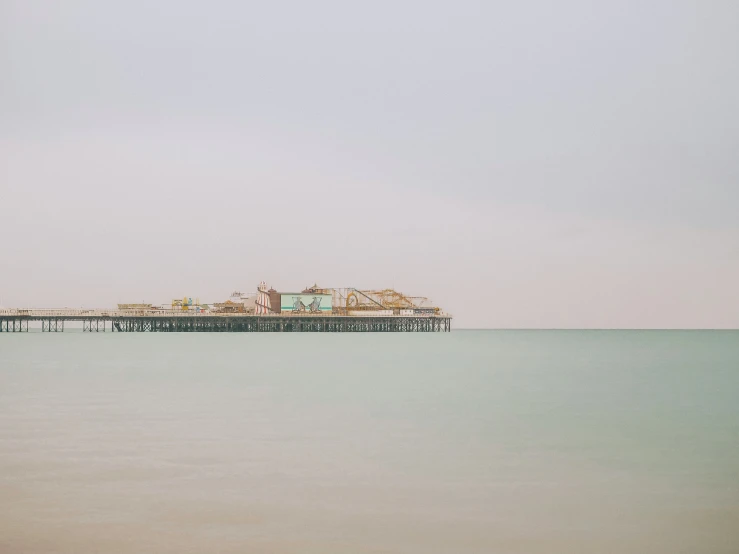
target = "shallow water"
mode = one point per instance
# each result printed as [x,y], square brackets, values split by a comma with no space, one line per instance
[474,441]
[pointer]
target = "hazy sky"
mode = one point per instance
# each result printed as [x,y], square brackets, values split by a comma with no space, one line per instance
[524,164]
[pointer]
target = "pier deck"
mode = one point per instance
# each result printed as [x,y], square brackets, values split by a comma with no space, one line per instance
[98,321]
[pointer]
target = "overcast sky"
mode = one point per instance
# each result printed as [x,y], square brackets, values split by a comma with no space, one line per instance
[524,164]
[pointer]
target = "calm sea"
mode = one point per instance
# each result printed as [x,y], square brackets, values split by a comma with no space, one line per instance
[471,442]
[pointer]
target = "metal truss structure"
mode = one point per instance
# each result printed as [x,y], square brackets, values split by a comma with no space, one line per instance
[235,323]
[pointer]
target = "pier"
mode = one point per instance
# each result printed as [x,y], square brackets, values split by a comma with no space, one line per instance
[119,321]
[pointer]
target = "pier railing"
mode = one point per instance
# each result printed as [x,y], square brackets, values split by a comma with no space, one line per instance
[115,313]
[102,313]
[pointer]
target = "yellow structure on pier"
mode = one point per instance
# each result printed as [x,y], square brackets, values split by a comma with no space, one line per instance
[185,304]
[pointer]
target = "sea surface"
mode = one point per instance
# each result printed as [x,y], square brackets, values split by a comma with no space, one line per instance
[470,442]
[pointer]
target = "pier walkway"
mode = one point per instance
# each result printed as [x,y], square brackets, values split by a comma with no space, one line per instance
[120,321]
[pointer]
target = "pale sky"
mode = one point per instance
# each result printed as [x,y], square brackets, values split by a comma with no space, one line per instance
[524,164]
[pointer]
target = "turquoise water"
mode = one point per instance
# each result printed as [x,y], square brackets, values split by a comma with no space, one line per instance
[474,441]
